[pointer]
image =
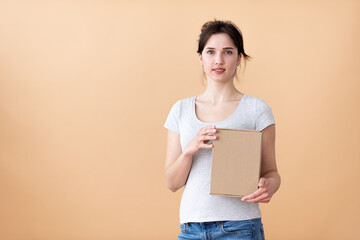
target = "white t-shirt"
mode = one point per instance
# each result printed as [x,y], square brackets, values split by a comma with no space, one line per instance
[197,205]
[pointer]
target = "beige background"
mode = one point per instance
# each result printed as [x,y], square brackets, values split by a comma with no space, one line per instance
[86,86]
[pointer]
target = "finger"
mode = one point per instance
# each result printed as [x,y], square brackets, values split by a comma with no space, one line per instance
[263,198]
[210,132]
[207,137]
[206,145]
[255,194]
[204,129]
[209,129]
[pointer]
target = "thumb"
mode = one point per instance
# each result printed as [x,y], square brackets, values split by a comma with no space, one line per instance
[262,182]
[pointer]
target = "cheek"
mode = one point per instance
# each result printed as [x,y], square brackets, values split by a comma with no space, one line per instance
[206,64]
[234,62]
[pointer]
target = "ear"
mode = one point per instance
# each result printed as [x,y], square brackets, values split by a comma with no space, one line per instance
[239,60]
[200,58]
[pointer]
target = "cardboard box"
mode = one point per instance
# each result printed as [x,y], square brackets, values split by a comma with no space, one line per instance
[236,162]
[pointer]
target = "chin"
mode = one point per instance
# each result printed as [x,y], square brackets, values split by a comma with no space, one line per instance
[221,79]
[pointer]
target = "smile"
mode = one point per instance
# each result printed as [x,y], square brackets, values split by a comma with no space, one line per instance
[219,70]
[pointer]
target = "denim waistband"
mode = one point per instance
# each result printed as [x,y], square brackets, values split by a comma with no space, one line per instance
[218,223]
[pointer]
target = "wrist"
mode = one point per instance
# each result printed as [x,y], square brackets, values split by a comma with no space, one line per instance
[188,154]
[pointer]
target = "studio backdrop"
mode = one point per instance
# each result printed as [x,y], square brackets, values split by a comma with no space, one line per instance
[86,86]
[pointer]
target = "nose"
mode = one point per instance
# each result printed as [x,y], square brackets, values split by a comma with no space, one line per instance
[219,59]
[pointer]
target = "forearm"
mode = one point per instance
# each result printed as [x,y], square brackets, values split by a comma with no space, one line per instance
[177,173]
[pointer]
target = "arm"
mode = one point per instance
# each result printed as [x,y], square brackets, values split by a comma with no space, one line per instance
[178,163]
[270,180]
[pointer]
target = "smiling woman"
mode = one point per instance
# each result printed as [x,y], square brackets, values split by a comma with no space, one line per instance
[220,58]
[231,31]
[192,124]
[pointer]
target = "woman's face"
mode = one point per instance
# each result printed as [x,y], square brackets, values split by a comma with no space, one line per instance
[220,58]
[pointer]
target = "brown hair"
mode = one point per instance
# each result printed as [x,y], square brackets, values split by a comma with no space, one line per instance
[216,26]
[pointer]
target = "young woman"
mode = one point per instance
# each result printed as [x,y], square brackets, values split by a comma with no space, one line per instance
[191,126]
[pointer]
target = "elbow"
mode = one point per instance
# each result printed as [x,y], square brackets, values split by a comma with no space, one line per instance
[172,188]
[170,183]
[279,180]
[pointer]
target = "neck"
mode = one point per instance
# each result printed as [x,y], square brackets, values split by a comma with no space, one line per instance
[217,92]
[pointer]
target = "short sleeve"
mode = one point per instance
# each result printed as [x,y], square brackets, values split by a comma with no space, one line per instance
[172,121]
[264,115]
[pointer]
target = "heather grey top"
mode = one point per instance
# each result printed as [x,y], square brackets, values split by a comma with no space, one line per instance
[197,205]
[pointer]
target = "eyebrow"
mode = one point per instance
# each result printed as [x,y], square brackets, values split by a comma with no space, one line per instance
[223,48]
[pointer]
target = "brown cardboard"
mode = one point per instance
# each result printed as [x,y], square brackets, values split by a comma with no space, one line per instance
[236,162]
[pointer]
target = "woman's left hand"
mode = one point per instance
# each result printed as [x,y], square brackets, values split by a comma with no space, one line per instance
[267,187]
[270,180]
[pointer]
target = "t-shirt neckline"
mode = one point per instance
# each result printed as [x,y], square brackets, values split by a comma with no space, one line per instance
[237,108]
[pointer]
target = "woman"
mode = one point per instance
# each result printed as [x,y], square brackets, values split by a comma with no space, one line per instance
[191,126]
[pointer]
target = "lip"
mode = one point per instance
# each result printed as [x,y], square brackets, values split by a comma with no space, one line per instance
[219,70]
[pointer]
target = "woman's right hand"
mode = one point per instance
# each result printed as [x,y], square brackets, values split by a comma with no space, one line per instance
[201,139]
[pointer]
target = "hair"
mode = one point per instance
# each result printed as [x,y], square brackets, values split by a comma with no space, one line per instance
[216,26]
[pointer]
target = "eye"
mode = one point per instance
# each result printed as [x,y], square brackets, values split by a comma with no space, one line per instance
[210,52]
[228,52]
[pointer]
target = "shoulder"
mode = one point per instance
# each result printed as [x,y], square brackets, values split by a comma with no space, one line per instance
[184,102]
[181,107]
[257,104]
[187,99]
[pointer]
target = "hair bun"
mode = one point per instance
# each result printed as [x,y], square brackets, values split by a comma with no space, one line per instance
[208,23]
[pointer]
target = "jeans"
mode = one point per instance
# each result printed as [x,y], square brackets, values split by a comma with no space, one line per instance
[243,230]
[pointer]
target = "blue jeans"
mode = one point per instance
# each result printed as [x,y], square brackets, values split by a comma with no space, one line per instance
[242,230]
